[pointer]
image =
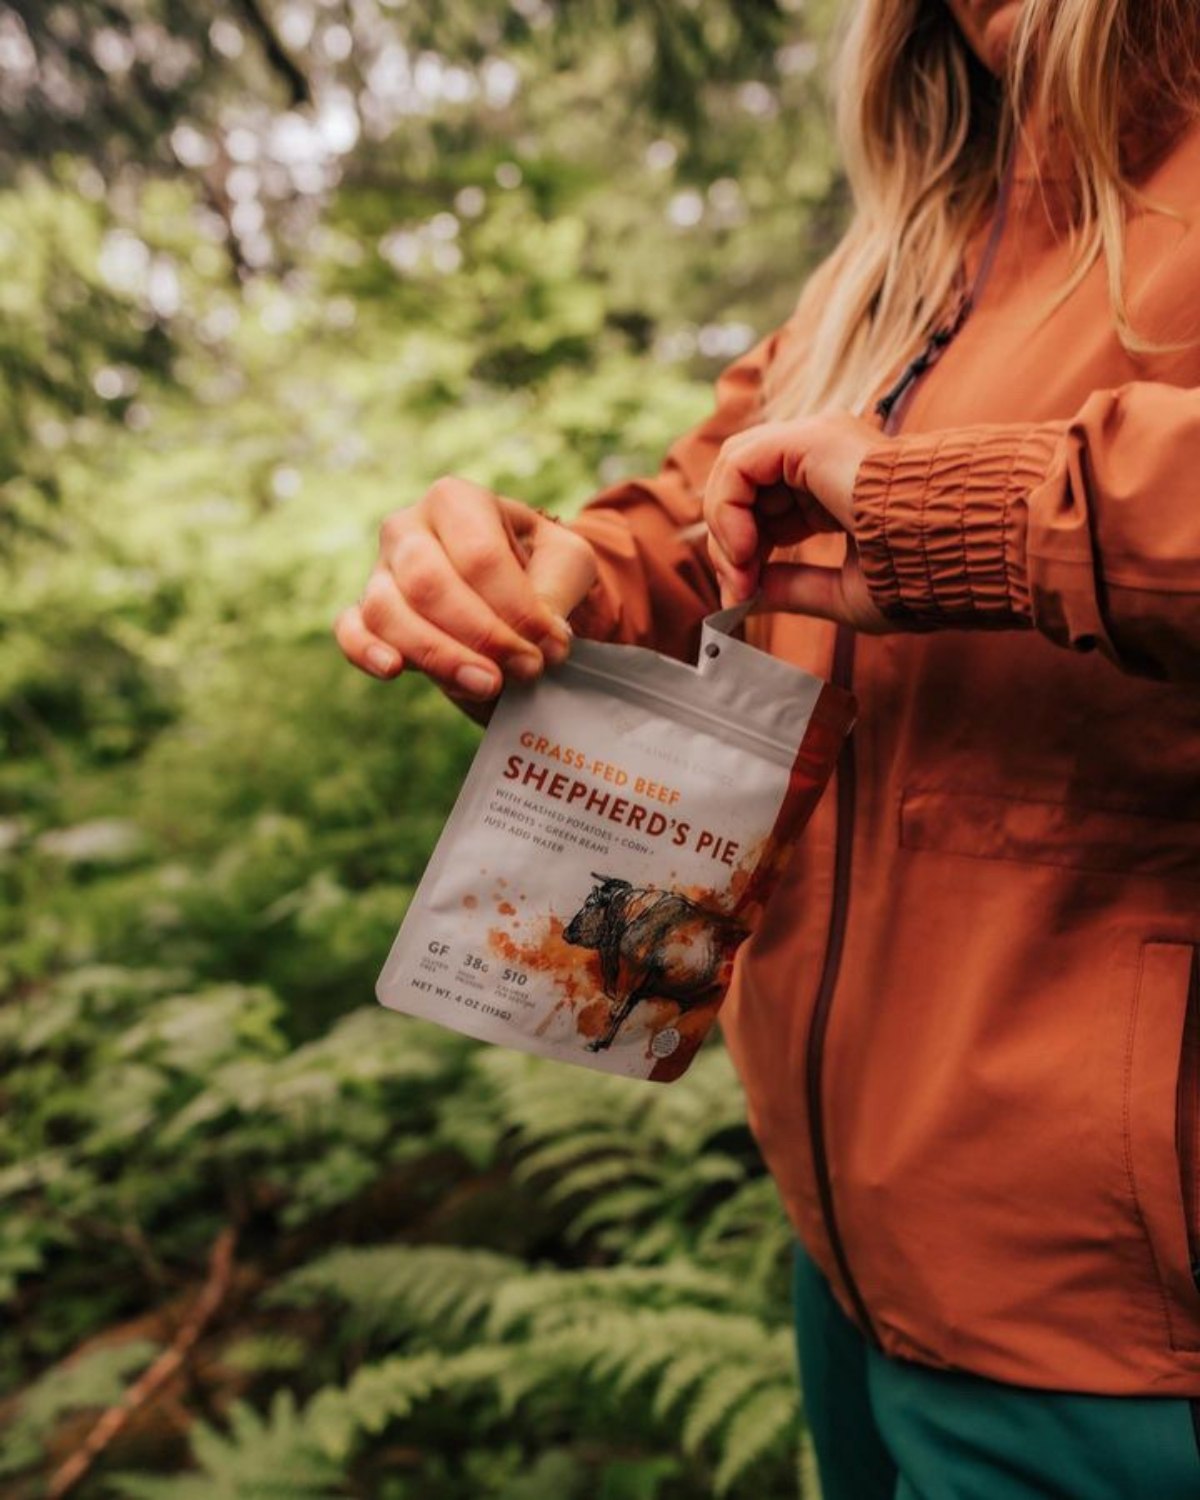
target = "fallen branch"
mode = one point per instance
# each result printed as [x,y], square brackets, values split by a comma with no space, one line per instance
[116,1418]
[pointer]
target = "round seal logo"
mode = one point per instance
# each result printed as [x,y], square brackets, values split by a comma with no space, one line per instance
[665,1042]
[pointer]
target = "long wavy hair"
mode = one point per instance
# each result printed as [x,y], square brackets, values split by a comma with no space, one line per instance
[925,131]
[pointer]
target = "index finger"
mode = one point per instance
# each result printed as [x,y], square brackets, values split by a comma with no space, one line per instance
[484,548]
[762,456]
[562,565]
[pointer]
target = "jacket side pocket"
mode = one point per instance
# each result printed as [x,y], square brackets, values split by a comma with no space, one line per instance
[1162,1116]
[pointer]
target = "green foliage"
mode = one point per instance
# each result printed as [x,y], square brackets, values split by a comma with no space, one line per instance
[651,1351]
[458,1274]
[644,1171]
[65,337]
[96,1378]
[142,66]
[259,1458]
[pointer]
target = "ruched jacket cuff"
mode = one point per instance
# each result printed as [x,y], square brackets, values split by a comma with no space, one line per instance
[940,522]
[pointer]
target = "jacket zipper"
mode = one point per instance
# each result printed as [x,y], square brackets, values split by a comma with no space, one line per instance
[843,673]
[892,407]
[1187,1117]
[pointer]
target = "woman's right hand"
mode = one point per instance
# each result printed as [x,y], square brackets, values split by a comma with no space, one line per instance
[470,588]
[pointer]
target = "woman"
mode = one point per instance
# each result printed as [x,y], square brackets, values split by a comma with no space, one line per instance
[968,1026]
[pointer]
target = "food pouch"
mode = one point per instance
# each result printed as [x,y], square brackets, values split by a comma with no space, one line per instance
[615,841]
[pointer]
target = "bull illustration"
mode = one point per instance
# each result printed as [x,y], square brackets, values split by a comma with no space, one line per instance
[653,945]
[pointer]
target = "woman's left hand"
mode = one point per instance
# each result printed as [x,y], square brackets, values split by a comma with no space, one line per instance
[777,484]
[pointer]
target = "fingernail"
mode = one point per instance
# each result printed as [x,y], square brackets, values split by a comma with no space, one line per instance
[559,629]
[477,681]
[525,667]
[554,649]
[381,661]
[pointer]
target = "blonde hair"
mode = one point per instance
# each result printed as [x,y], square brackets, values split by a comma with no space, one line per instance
[925,130]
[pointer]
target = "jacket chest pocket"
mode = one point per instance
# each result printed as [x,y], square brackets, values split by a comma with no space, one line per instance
[1162,1127]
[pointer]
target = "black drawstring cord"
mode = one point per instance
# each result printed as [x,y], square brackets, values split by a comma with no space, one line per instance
[917,366]
[940,337]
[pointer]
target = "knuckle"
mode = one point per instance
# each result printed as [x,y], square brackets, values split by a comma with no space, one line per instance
[527,618]
[488,639]
[713,517]
[347,633]
[430,658]
[376,602]
[476,558]
[416,568]
[444,490]
[572,542]
[577,552]
[392,528]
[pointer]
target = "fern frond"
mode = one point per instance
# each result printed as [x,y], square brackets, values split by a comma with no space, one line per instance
[260,1353]
[807,1478]
[686,1371]
[767,1420]
[259,1458]
[656,1244]
[392,1290]
[539,1102]
[377,1395]
[95,1378]
[748,1236]
[724,1389]
[588,1342]
[641,1169]
[550,1299]
[713,1168]
[598,1173]
[577,1145]
[304,1087]
[643,1362]
[616,1207]
[387,1392]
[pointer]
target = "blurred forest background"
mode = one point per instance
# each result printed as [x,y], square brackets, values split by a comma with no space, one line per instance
[267,268]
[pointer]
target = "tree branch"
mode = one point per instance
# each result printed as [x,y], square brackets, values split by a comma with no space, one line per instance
[281,63]
[116,1418]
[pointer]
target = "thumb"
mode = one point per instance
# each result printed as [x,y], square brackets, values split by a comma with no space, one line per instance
[837,594]
[561,565]
[803,589]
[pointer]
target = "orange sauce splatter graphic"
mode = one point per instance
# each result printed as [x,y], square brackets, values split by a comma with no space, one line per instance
[506,908]
[574,971]
[593,1019]
[470,902]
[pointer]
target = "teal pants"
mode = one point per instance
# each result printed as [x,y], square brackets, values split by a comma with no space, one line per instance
[884,1429]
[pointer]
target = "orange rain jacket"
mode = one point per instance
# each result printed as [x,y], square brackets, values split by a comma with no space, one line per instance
[968,1026]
